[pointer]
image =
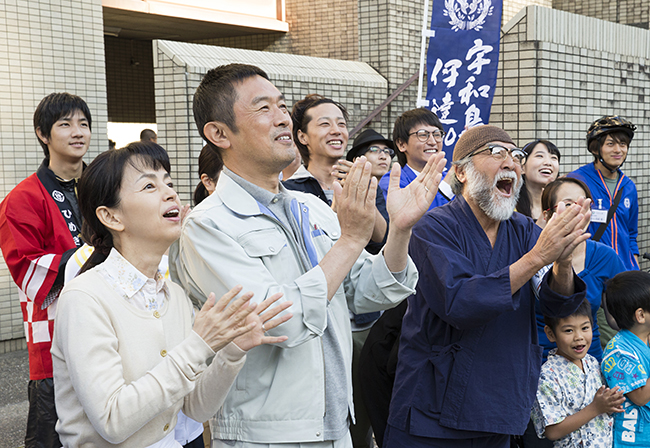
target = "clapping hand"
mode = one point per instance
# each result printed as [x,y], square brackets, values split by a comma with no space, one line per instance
[563,232]
[406,205]
[220,322]
[609,400]
[264,321]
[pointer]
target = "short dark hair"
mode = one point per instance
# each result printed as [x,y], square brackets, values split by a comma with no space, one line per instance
[550,146]
[407,121]
[597,143]
[301,118]
[100,185]
[215,97]
[54,107]
[625,293]
[147,135]
[211,164]
[549,195]
[583,310]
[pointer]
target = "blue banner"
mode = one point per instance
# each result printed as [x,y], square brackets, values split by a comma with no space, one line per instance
[462,64]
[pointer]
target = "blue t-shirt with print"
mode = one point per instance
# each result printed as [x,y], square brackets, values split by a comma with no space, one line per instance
[626,363]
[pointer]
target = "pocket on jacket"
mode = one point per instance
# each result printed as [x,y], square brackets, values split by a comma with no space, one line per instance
[262,242]
[433,381]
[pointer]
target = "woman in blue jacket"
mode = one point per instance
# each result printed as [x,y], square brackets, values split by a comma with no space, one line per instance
[593,262]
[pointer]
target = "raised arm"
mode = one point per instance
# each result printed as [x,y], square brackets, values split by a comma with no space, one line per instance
[407,205]
[355,209]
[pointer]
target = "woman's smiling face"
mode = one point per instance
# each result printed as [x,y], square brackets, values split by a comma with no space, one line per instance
[541,166]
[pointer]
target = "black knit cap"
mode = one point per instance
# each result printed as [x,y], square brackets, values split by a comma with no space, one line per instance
[362,143]
[477,137]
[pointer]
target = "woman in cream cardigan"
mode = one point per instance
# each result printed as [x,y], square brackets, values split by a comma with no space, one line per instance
[128,351]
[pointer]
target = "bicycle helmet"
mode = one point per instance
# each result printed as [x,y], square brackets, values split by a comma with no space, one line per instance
[605,125]
[609,123]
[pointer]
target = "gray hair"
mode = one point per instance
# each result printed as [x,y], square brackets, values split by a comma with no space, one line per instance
[457,186]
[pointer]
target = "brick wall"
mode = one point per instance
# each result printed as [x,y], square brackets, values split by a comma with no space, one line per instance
[384,34]
[44,48]
[629,12]
[554,81]
[389,41]
[324,28]
[512,7]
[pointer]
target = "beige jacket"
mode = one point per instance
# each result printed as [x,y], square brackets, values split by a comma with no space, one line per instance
[122,374]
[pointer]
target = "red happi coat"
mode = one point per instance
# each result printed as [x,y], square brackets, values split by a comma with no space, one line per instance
[33,237]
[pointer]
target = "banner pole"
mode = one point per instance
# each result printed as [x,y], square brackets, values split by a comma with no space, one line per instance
[426,32]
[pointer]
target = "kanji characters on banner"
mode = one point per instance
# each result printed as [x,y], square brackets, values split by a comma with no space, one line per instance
[462,64]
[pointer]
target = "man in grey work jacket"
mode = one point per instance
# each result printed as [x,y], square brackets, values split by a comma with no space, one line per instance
[252,231]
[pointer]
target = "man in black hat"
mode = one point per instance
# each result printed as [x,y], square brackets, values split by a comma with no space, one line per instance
[378,150]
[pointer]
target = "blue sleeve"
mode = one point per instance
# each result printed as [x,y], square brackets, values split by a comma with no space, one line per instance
[380,203]
[623,369]
[608,263]
[556,305]
[633,224]
[449,283]
[383,184]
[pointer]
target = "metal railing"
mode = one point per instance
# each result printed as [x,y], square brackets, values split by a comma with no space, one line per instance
[383,105]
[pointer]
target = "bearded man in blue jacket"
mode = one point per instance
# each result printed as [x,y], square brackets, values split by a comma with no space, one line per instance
[469,357]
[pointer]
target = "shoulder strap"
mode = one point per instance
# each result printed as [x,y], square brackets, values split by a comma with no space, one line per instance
[610,214]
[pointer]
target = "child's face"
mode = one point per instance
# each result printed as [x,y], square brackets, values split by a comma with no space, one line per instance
[573,337]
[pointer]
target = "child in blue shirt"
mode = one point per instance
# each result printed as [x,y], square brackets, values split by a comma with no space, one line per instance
[572,405]
[626,360]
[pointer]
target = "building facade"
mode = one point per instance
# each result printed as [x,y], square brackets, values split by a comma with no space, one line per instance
[563,63]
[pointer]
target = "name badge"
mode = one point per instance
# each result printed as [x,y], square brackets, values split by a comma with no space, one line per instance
[598,216]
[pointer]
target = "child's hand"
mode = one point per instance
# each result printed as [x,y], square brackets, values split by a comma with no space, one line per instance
[608,400]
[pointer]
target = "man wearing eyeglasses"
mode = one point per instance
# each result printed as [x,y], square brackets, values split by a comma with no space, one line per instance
[469,356]
[418,134]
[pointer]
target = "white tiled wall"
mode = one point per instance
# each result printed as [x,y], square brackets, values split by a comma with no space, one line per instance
[45,46]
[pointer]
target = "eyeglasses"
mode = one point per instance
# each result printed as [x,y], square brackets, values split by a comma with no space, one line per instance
[376,149]
[423,135]
[499,152]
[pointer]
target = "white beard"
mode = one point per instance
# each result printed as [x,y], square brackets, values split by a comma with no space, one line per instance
[493,204]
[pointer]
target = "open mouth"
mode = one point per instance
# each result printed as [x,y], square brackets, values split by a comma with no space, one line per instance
[172,213]
[335,142]
[284,137]
[546,171]
[505,186]
[579,348]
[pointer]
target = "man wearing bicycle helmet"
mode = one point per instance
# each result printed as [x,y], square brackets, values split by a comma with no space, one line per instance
[615,206]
